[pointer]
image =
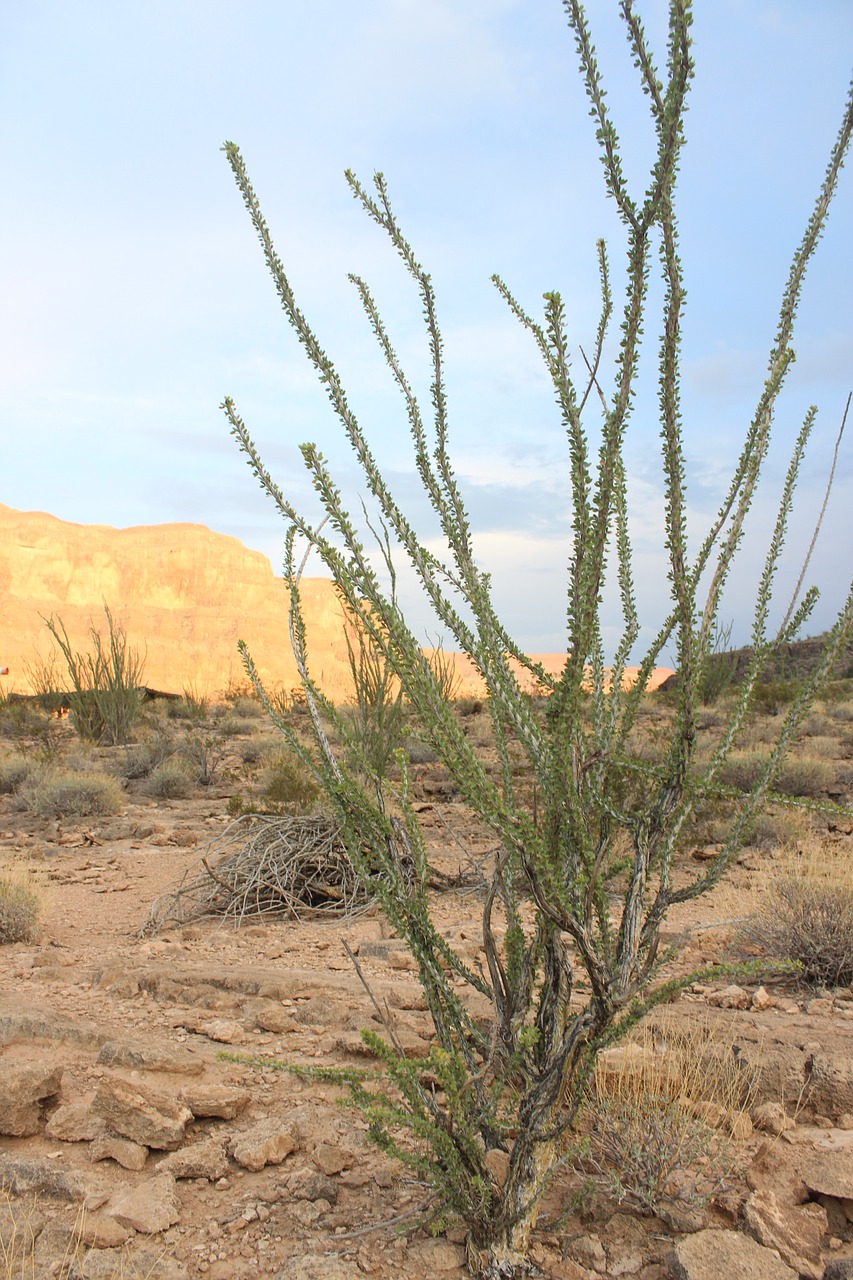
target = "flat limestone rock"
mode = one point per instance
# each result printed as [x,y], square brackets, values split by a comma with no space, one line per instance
[24,1089]
[829,1172]
[268,1142]
[149,1208]
[74,1122]
[34,1023]
[199,1160]
[152,1055]
[794,1231]
[723,1255]
[214,1100]
[20,1174]
[130,1155]
[129,1111]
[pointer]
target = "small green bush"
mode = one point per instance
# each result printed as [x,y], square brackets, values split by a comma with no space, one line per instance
[50,794]
[169,781]
[19,911]
[238,726]
[20,719]
[141,759]
[204,755]
[14,771]
[287,785]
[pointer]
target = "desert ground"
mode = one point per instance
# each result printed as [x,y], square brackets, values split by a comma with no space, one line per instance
[138,1140]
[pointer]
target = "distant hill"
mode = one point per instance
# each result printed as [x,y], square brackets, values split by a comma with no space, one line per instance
[183,594]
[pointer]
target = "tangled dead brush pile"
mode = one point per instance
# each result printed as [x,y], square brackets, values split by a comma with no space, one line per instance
[263,865]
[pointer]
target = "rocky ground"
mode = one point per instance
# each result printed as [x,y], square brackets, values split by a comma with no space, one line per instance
[135,1143]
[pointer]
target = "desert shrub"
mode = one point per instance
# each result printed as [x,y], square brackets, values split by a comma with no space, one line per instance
[237,726]
[807,916]
[797,776]
[373,727]
[58,794]
[772,831]
[14,771]
[204,754]
[170,780]
[721,666]
[287,786]
[773,696]
[253,750]
[20,719]
[19,910]
[805,776]
[660,1113]
[106,696]
[46,682]
[577,895]
[196,705]
[419,752]
[247,708]
[140,759]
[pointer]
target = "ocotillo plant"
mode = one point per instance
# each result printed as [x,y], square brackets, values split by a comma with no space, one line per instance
[583,880]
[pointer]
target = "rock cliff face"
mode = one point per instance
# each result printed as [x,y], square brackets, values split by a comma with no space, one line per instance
[184,595]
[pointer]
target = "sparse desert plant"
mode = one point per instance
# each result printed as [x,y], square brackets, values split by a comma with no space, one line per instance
[373,726]
[661,1111]
[50,793]
[14,772]
[170,780]
[141,758]
[20,906]
[234,726]
[19,719]
[807,915]
[45,681]
[106,681]
[204,753]
[721,666]
[287,786]
[586,873]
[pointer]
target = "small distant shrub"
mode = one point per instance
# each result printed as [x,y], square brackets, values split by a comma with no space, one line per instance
[771,831]
[470,706]
[141,759]
[721,666]
[288,786]
[20,719]
[19,911]
[253,750]
[204,755]
[774,696]
[50,794]
[447,678]
[805,776]
[46,683]
[235,726]
[193,705]
[247,708]
[807,916]
[798,776]
[14,771]
[419,752]
[169,781]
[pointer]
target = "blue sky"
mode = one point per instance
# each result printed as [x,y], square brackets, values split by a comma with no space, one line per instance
[134,295]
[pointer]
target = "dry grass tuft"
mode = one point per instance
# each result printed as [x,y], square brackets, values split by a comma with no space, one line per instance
[807,914]
[663,1109]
